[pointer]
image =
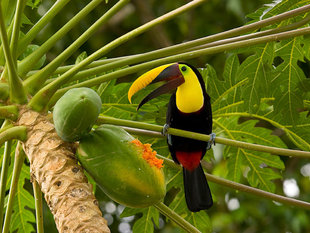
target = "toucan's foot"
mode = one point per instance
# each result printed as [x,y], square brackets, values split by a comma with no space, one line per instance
[211,141]
[165,129]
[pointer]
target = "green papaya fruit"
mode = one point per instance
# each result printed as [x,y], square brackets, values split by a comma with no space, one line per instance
[124,168]
[75,113]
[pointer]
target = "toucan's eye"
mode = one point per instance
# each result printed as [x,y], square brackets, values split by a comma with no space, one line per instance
[183,68]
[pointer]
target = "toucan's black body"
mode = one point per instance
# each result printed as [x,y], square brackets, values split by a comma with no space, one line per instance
[189,109]
[197,192]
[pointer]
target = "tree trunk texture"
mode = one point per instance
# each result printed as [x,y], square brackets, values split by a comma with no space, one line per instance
[55,168]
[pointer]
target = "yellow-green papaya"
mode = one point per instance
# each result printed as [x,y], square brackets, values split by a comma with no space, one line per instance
[124,168]
[75,113]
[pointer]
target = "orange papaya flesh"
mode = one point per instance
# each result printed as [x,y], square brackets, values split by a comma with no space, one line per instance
[124,168]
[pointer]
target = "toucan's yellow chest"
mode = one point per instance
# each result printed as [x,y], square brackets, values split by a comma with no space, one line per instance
[189,95]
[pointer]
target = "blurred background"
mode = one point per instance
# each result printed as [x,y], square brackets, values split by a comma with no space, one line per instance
[234,211]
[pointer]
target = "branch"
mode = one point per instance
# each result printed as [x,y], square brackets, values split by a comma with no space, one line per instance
[244,188]
[9,112]
[204,137]
[293,136]
[38,206]
[41,99]
[173,216]
[18,163]
[173,50]
[36,81]
[16,132]
[17,92]
[4,176]
[180,57]
[30,61]
[16,28]
[193,45]
[33,32]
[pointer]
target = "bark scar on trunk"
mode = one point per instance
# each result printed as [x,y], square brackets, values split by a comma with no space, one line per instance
[61,179]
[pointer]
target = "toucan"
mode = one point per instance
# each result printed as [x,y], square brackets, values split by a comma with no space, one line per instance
[189,109]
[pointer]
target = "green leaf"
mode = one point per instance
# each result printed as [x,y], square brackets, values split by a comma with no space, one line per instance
[257,69]
[81,57]
[225,95]
[198,219]
[299,133]
[23,218]
[286,80]
[145,223]
[239,160]
[33,3]
[115,103]
[30,49]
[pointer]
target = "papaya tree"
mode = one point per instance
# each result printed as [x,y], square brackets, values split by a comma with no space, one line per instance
[259,93]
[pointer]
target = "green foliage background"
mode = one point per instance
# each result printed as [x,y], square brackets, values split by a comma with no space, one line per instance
[259,94]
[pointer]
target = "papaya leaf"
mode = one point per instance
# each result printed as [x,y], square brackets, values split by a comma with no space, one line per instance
[286,79]
[34,3]
[282,6]
[145,224]
[198,219]
[81,57]
[257,69]
[23,218]
[239,160]
[225,95]
[275,8]
[299,133]
[30,49]
[115,103]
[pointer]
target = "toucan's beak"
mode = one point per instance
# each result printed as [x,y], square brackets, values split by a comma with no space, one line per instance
[170,73]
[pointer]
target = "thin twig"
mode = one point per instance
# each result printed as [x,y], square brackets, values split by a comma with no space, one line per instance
[40,100]
[244,188]
[204,137]
[173,216]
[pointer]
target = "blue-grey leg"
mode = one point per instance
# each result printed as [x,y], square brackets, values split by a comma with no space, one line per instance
[211,141]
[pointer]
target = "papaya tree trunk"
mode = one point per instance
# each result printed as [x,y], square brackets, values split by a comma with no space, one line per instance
[55,168]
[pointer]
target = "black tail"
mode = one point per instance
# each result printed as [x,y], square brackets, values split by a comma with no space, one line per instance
[197,192]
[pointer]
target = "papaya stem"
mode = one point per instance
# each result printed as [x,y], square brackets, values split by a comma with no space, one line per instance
[173,216]
[204,137]
[17,92]
[16,132]
[181,57]
[36,81]
[190,45]
[18,163]
[39,206]
[16,28]
[40,100]
[4,91]
[43,21]
[9,112]
[4,176]
[176,49]
[242,187]
[30,61]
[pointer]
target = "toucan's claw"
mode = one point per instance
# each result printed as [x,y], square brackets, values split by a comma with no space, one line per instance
[165,129]
[211,141]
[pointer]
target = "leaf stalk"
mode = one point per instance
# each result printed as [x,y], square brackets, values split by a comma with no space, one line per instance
[173,216]
[36,81]
[204,137]
[18,163]
[4,176]
[17,92]
[40,100]
[39,206]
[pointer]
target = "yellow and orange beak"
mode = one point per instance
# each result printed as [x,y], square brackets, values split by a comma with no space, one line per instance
[170,73]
